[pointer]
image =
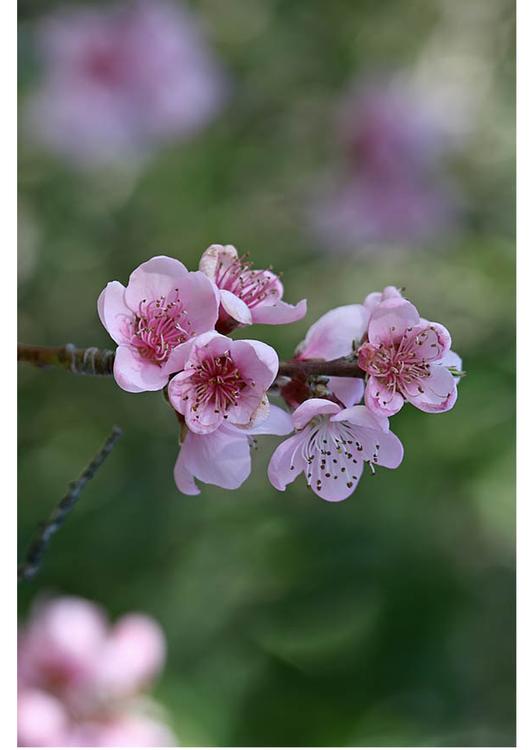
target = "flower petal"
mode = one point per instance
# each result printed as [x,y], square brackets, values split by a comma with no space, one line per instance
[391,319]
[214,255]
[348,390]
[153,279]
[381,400]
[113,312]
[278,313]
[134,374]
[311,408]
[222,458]
[334,334]
[235,307]
[200,298]
[287,462]
[439,391]
[277,422]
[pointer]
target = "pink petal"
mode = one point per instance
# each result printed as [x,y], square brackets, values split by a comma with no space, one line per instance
[390,320]
[235,307]
[334,334]
[287,462]
[331,488]
[439,391]
[373,299]
[348,390]
[311,408]
[42,720]
[378,445]
[257,360]
[278,313]
[113,312]
[134,654]
[153,279]
[222,458]
[135,374]
[431,341]
[381,400]
[223,254]
[201,301]
[277,422]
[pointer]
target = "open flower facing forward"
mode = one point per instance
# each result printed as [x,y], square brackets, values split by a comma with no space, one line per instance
[120,79]
[163,306]
[224,382]
[223,457]
[336,334]
[407,359]
[247,295]
[331,446]
[82,682]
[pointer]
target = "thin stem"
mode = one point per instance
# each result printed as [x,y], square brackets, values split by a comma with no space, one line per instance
[94,361]
[39,544]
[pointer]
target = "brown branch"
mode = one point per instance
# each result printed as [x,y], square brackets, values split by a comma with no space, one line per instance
[93,361]
[39,544]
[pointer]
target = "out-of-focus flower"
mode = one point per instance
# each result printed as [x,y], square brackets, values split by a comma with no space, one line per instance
[330,446]
[247,295]
[407,359]
[337,333]
[163,306]
[394,188]
[80,680]
[223,457]
[118,80]
[223,382]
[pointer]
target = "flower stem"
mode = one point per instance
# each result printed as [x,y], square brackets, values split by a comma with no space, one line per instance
[94,361]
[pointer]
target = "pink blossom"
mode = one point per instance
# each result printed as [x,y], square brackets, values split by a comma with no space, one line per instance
[247,295]
[330,446]
[80,679]
[163,306]
[117,80]
[337,333]
[224,382]
[223,457]
[407,359]
[393,186]
[373,299]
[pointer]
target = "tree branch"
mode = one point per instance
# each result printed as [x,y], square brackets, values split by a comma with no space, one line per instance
[39,544]
[94,361]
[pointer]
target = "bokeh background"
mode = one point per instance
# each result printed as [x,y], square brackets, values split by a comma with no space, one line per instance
[388,619]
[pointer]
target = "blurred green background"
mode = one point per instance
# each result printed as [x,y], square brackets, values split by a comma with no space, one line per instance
[388,619]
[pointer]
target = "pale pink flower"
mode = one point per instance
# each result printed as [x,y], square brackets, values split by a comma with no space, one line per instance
[407,359]
[118,80]
[223,382]
[336,334]
[247,295]
[80,678]
[163,306]
[331,446]
[393,187]
[223,457]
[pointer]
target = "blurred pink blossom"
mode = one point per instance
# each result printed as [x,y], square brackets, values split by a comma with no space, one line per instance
[394,187]
[118,80]
[247,295]
[163,306]
[330,446]
[81,679]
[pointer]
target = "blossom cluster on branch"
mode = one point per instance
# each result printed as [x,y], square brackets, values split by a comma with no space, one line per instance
[172,329]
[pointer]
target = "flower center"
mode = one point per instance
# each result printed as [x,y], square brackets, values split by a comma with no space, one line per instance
[216,383]
[160,326]
[396,365]
[333,451]
[251,286]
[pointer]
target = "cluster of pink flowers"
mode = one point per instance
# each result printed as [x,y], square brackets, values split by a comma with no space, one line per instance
[171,326]
[393,187]
[82,682]
[116,81]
